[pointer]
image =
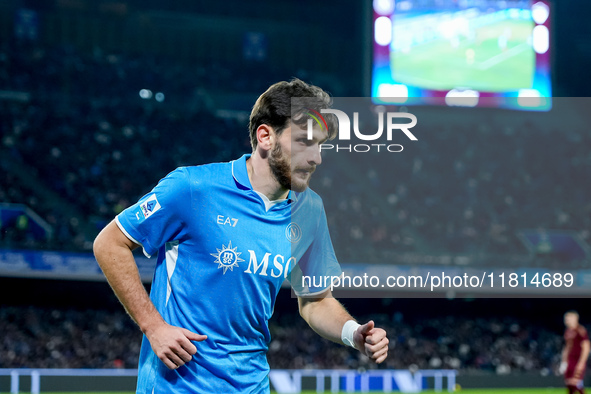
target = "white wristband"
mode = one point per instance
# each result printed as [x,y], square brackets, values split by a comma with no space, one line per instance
[349,329]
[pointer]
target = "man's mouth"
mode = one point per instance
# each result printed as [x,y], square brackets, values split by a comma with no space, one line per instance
[306,172]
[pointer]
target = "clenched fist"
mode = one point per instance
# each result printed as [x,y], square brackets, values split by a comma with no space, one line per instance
[371,341]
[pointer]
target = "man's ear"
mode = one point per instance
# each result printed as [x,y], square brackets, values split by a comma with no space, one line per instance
[265,137]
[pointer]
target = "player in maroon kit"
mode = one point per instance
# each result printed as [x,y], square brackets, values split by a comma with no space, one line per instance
[574,353]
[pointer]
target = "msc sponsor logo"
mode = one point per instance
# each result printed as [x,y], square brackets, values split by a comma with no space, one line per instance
[227,257]
[275,266]
[280,265]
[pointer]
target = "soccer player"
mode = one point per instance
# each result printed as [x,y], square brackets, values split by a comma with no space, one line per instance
[227,235]
[574,353]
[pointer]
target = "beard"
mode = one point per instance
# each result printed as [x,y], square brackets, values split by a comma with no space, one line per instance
[281,169]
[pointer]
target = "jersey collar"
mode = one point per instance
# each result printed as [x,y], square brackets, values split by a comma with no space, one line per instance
[240,175]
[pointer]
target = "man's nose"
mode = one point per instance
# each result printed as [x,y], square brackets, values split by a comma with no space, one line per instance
[315,155]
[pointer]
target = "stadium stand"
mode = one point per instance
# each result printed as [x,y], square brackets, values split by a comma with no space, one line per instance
[450,195]
[83,131]
[42,337]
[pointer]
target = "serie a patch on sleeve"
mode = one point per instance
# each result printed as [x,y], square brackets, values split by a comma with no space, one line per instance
[148,207]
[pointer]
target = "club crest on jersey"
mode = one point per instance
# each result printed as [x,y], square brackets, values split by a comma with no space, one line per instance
[227,257]
[293,232]
[150,206]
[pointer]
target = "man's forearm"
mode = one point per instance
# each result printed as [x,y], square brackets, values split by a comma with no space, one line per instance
[565,351]
[328,318]
[325,316]
[171,344]
[584,355]
[114,256]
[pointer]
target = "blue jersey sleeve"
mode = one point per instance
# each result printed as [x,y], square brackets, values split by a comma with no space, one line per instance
[312,273]
[158,217]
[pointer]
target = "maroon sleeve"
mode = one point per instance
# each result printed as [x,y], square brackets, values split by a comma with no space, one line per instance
[583,334]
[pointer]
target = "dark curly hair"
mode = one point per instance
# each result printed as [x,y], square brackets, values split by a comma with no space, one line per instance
[275,108]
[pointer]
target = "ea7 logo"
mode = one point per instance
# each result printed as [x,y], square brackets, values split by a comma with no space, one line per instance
[223,220]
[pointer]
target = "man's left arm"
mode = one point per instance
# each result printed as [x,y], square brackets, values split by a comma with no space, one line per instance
[329,319]
[584,356]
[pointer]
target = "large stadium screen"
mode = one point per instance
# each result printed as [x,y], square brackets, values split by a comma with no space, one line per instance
[462,52]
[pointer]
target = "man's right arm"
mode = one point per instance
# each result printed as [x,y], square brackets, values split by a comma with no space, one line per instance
[566,350]
[113,252]
[564,358]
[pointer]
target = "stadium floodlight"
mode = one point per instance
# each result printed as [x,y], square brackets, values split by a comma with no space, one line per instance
[146,94]
[383,7]
[393,93]
[540,13]
[529,98]
[541,39]
[462,98]
[383,31]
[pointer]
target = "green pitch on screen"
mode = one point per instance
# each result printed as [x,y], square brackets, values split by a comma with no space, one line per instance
[467,391]
[482,63]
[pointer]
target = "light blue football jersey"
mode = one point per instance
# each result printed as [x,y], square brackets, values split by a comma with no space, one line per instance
[222,258]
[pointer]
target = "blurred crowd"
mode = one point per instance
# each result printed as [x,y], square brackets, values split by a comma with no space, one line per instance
[50,71]
[102,158]
[463,189]
[69,338]
[85,145]
[98,145]
[497,345]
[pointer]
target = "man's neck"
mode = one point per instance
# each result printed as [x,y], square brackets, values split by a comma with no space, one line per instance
[262,179]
